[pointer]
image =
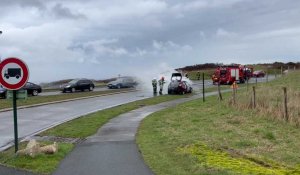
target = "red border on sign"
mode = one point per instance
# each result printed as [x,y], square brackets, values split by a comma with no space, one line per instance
[24,77]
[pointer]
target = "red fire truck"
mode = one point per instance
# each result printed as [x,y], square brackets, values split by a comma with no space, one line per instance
[229,74]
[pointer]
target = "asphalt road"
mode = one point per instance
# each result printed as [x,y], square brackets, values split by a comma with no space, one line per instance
[196,84]
[34,120]
[60,92]
[37,119]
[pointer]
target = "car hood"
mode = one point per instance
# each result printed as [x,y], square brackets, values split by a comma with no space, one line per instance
[114,82]
[67,85]
[174,84]
[2,90]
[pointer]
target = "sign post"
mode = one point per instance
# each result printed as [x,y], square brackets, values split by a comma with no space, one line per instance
[14,75]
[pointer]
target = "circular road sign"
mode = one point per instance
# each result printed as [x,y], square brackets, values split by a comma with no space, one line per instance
[14,73]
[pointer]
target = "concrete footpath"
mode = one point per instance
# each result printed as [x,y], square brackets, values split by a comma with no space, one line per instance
[113,150]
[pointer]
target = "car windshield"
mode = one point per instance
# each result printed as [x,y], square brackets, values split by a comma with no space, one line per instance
[73,81]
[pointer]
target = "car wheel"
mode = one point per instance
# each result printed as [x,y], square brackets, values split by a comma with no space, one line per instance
[91,88]
[35,93]
[73,90]
[119,86]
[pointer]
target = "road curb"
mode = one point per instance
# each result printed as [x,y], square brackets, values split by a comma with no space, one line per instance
[67,100]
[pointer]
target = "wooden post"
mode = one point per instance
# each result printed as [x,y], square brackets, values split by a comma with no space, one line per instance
[233,96]
[286,116]
[254,98]
[203,88]
[247,83]
[281,70]
[267,79]
[294,67]
[219,92]
[255,81]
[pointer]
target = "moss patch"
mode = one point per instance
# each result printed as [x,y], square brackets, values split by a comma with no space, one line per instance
[236,164]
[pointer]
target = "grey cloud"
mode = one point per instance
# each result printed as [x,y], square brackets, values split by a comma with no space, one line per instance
[145,33]
[24,3]
[59,11]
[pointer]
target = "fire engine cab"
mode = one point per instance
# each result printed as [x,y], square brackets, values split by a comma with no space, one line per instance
[232,73]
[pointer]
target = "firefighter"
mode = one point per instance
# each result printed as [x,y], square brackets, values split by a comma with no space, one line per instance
[154,85]
[198,75]
[161,83]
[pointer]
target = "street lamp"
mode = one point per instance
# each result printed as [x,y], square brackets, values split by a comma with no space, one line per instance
[0,34]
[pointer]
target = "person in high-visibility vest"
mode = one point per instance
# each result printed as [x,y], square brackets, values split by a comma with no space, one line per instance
[161,83]
[154,85]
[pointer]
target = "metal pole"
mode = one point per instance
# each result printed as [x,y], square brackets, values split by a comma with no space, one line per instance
[0,34]
[15,119]
[203,88]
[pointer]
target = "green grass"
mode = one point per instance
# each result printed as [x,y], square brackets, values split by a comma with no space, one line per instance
[87,125]
[217,138]
[42,163]
[7,103]
[207,74]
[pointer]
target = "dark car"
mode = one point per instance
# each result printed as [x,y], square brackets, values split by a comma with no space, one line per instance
[32,89]
[2,92]
[78,84]
[178,86]
[259,73]
[122,82]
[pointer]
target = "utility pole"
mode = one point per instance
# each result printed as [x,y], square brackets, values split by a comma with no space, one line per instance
[0,34]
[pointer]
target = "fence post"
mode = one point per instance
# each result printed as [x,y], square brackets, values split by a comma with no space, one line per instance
[233,95]
[281,70]
[219,92]
[203,88]
[247,83]
[256,81]
[254,98]
[286,116]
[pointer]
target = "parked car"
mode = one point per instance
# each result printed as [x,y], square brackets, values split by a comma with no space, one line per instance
[179,86]
[32,89]
[78,84]
[259,73]
[122,82]
[2,92]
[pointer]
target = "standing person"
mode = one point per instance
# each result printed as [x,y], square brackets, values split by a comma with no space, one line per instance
[161,83]
[198,75]
[154,85]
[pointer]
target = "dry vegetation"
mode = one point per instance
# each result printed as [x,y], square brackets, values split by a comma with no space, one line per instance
[270,99]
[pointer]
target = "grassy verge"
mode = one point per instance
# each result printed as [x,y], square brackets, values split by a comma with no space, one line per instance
[217,138]
[42,163]
[7,103]
[87,125]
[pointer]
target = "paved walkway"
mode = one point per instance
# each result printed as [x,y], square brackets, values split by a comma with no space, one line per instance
[113,150]
[11,171]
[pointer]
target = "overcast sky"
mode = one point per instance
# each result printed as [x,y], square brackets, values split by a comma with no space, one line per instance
[103,38]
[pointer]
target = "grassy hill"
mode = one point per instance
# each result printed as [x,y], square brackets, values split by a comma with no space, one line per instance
[209,68]
[225,138]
